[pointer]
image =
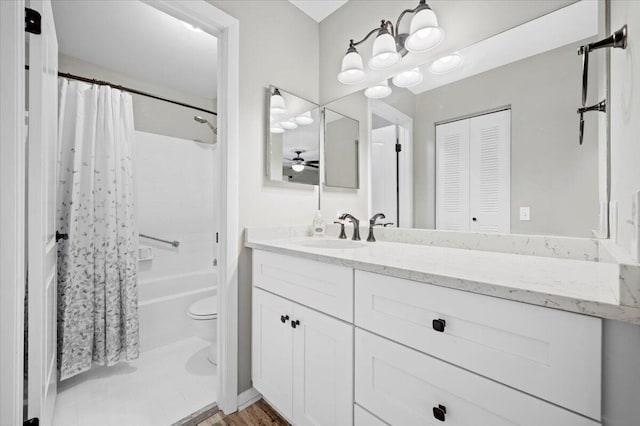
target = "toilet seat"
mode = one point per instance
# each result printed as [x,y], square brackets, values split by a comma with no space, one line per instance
[204,309]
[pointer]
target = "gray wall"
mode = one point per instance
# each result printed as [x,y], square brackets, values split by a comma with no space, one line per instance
[341,138]
[151,115]
[550,172]
[278,45]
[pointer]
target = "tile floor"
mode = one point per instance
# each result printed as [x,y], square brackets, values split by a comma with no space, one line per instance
[161,387]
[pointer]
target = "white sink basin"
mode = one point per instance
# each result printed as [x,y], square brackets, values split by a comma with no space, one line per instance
[332,244]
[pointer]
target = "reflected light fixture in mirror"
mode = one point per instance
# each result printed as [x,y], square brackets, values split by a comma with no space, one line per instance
[408,78]
[379,91]
[304,118]
[277,103]
[424,34]
[446,64]
[277,128]
[289,124]
[297,166]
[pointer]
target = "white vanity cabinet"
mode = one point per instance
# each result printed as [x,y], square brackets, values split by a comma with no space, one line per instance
[302,360]
[371,349]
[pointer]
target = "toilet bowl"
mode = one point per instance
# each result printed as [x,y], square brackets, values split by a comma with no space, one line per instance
[204,314]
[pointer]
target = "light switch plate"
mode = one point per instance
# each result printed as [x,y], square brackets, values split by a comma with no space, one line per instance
[525,213]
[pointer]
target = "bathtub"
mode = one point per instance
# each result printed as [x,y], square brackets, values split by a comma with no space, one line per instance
[163,304]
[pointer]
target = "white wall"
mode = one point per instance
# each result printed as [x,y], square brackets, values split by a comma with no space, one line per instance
[624,107]
[279,46]
[175,201]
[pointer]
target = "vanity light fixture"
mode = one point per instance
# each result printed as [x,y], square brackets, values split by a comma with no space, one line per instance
[390,45]
[277,103]
[408,78]
[378,91]
[289,124]
[304,118]
[446,64]
[277,128]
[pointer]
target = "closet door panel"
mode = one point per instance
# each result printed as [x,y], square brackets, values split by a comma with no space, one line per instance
[490,172]
[452,176]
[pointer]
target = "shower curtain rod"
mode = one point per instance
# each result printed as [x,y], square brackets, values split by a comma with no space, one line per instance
[130,90]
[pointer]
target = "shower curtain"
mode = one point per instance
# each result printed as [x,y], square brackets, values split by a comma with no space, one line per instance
[97,264]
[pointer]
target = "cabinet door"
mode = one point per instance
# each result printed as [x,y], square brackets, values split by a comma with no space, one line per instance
[323,369]
[452,176]
[490,172]
[272,349]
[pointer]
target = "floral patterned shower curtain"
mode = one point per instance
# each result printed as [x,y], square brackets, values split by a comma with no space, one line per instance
[97,264]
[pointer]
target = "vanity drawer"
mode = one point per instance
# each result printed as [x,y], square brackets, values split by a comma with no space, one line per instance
[327,288]
[361,417]
[548,353]
[403,386]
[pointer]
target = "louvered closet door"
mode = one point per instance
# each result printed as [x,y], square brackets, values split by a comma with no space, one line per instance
[490,172]
[452,176]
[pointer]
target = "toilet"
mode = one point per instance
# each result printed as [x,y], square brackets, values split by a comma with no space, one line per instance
[204,314]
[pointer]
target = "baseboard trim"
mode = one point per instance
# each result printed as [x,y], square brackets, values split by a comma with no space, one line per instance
[248,397]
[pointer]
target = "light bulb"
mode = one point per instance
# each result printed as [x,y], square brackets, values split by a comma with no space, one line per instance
[297,167]
[277,103]
[408,78]
[379,91]
[385,54]
[446,64]
[424,32]
[352,70]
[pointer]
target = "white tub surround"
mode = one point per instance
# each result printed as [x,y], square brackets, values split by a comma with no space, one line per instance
[585,287]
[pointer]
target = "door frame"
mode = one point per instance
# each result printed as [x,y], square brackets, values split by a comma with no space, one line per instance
[226,28]
[13,206]
[397,117]
[12,209]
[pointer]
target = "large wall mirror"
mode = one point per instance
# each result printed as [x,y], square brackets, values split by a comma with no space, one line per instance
[293,138]
[489,138]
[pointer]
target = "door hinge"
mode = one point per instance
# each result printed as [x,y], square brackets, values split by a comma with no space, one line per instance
[32,21]
[32,422]
[398,147]
[217,237]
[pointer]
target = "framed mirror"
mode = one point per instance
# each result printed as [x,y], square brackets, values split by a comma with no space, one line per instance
[487,135]
[341,145]
[293,138]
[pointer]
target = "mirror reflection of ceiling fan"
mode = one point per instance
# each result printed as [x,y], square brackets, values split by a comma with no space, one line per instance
[298,163]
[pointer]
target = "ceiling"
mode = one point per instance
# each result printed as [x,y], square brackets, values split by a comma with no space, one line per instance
[318,9]
[136,39]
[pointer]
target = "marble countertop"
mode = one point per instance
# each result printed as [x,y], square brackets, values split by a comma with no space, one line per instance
[585,287]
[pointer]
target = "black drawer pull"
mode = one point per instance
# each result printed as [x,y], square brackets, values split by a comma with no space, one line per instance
[284,318]
[295,323]
[60,236]
[439,324]
[439,412]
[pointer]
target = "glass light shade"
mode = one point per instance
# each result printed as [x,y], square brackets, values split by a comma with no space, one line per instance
[446,64]
[379,91]
[297,167]
[276,128]
[289,124]
[304,118]
[384,54]
[352,70]
[424,32]
[408,78]
[277,104]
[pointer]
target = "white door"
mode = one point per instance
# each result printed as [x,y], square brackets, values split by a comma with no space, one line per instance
[41,216]
[384,196]
[322,369]
[272,351]
[490,179]
[452,176]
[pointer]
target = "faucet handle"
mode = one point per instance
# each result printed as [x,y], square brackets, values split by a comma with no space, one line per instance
[343,235]
[375,217]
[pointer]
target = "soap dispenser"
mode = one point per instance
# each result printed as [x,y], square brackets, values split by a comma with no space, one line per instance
[318,225]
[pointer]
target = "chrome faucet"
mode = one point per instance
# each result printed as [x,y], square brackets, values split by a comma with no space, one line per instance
[372,222]
[356,225]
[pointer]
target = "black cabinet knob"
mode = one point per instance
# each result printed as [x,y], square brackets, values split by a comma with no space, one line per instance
[475,219]
[284,318]
[295,323]
[439,412]
[60,236]
[439,324]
